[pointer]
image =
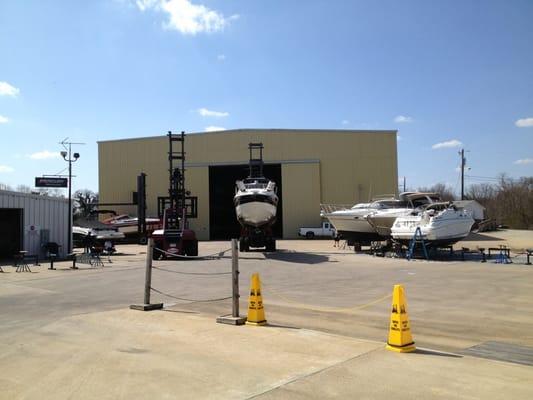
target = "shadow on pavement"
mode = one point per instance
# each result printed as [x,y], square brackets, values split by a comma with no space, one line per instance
[269,325]
[296,257]
[437,353]
[481,237]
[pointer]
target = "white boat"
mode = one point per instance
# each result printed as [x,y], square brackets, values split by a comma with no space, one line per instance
[367,222]
[439,223]
[98,232]
[128,224]
[256,202]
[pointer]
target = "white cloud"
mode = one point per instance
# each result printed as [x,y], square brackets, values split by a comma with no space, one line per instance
[7,90]
[221,57]
[43,155]
[402,119]
[447,144]
[524,122]
[204,112]
[345,122]
[5,169]
[524,161]
[186,17]
[214,128]
[3,120]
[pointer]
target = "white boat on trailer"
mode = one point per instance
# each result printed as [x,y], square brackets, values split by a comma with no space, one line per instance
[367,222]
[441,224]
[256,205]
[255,201]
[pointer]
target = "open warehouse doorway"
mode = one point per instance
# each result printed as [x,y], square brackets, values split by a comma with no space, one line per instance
[10,232]
[223,224]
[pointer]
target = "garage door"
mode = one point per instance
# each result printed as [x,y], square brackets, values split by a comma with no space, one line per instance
[10,232]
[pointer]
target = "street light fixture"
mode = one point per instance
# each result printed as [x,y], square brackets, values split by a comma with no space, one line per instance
[70,159]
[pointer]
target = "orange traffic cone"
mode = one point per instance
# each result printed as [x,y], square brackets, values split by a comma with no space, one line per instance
[256,312]
[400,338]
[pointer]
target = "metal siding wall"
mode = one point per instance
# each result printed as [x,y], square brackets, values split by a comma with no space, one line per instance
[43,212]
[353,165]
[301,197]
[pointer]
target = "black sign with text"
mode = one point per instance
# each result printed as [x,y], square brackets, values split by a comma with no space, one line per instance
[51,182]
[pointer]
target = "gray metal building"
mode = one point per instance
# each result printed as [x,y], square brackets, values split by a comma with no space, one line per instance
[27,221]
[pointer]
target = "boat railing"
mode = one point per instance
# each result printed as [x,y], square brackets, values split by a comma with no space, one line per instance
[329,208]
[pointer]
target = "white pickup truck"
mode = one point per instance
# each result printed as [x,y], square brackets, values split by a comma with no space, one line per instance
[325,230]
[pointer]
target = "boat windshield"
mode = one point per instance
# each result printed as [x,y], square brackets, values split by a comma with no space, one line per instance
[255,183]
[361,205]
[422,201]
[383,204]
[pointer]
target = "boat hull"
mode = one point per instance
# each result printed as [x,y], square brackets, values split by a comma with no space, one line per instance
[256,213]
[445,232]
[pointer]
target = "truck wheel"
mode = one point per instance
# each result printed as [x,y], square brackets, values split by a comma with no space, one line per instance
[143,240]
[310,235]
[271,245]
[156,255]
[243,245]
[191,248]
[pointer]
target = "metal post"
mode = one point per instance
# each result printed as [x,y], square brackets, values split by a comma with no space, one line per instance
[463,162]
[234,318]
[148,273]
[235,277]
[147,306]
[69,246]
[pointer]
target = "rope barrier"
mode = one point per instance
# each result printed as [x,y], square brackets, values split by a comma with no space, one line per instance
[327,309]
[191,300]
[216,255]
[191,273]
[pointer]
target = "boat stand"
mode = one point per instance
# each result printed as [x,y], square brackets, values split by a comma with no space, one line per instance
[417,239]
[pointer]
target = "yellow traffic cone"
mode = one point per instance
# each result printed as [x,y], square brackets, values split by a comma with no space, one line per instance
[400,338]
[256,312]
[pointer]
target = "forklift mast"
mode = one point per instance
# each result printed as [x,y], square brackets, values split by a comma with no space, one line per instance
[256,160]
[175,215]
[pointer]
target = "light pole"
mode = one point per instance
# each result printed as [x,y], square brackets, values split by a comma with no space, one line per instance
[70,160]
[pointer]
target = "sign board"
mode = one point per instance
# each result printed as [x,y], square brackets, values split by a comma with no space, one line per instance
[51,182]
[33,229]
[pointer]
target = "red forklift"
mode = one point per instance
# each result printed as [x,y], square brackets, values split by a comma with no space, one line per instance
[176,239]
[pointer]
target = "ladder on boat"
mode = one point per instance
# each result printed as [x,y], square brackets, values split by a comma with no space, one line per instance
[417,239]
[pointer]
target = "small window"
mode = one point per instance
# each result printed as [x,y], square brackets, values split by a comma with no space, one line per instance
[326,226]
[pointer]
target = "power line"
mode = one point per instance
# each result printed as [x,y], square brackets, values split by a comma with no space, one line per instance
[483,177]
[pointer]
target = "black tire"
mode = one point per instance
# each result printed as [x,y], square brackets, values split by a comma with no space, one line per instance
[156,254]
[191,248]
[310,235]
[143,240]
[243,245]
[271,245]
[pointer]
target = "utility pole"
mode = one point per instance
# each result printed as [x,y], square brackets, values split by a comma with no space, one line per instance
[70,160]
[404,181]
[463,163]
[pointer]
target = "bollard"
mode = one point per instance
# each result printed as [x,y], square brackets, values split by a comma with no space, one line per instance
[52,256]
[234,318]
[148,282]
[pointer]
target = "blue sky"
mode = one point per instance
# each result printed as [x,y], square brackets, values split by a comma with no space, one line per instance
[454,73]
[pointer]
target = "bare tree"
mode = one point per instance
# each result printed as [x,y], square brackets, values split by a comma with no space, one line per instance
[24,189]
[509,202]
[84,202]
[445,191]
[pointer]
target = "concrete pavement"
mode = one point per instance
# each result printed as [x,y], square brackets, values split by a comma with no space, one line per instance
[128,354]
[68,334]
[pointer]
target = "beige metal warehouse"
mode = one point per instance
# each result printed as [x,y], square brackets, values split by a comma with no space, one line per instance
[313,166]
